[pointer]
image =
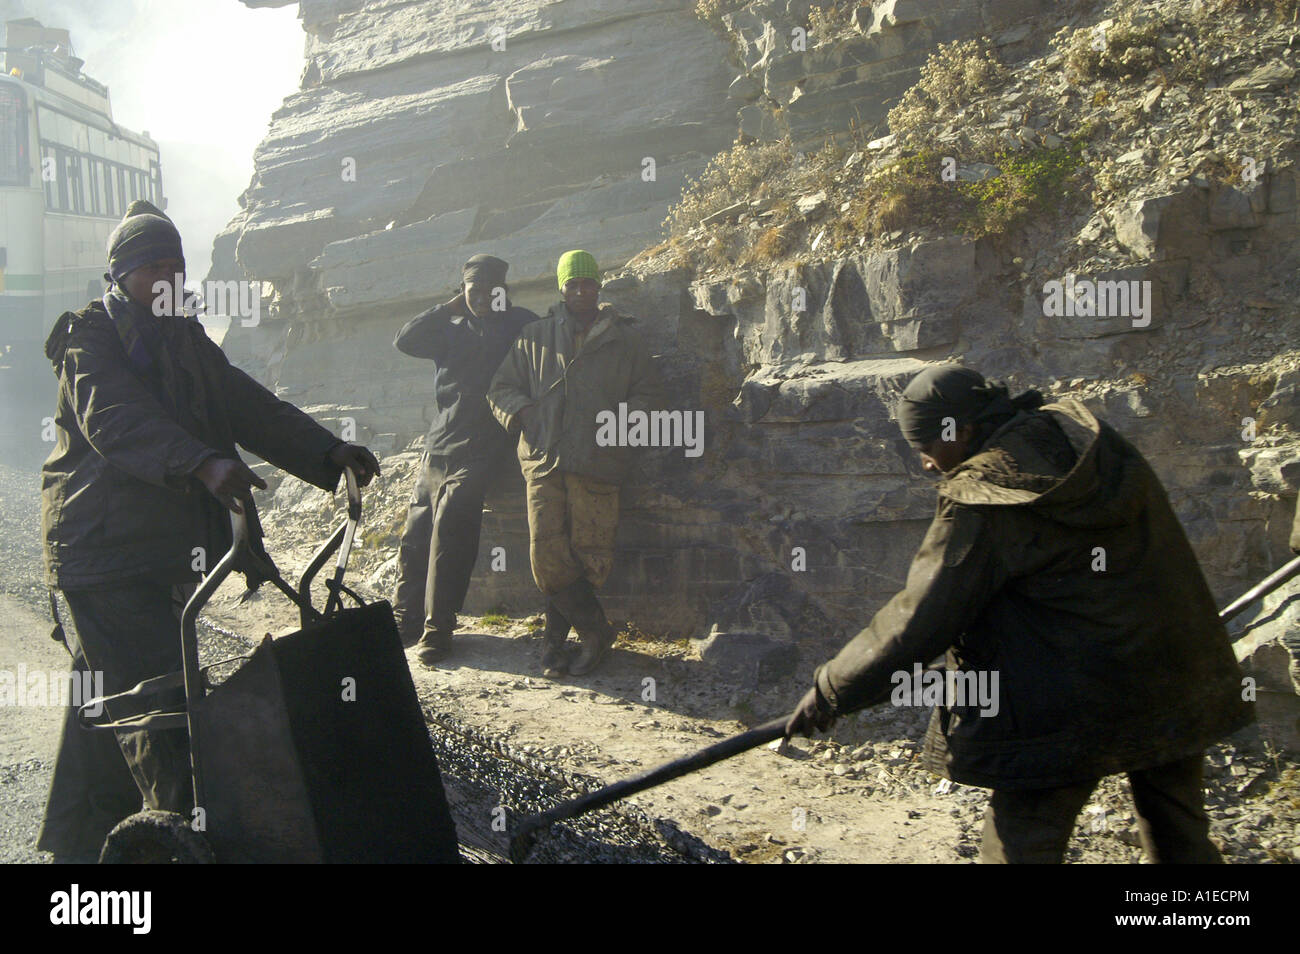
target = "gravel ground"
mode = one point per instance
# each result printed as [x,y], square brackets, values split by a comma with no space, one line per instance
[523,744]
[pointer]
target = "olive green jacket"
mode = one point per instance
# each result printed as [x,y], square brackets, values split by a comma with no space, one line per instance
[118,499]
[568,387]
[1054,560]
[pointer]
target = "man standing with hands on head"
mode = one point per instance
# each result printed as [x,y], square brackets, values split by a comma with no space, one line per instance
[581,359]
[134,508]
[465,338]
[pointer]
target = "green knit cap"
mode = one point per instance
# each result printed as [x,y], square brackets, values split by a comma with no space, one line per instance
[577,264]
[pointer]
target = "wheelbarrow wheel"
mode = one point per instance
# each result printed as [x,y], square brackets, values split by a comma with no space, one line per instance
[155,838]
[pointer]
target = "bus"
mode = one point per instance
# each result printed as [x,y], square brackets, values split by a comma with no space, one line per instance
[67,174]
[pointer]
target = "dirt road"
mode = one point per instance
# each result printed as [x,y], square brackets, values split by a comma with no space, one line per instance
[29,735]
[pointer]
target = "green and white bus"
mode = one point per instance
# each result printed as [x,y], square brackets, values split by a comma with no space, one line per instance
[67,173]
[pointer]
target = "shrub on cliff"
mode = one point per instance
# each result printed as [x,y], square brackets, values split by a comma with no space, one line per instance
[1122,49]
[745,171]
[912,194]
[830,19]
[954,75]
[712,11]
[1131,48]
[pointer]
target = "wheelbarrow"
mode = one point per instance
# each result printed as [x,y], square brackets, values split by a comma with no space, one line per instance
[314,750]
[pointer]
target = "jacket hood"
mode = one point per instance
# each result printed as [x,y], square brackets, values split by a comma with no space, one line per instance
[56,343]
[1062,461]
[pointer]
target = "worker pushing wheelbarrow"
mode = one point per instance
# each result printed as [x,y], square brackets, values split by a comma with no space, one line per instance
[314,750]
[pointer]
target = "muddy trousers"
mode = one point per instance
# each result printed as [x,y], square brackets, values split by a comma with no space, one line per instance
[1034,826]
[439,544]
[128,633]
[572,522]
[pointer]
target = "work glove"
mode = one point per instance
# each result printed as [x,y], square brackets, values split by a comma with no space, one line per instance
[812,713]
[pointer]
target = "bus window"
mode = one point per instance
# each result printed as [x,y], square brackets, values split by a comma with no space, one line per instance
[72,165]
[110,202]
[13,136]
[92,186]
[61,180]
[50,161]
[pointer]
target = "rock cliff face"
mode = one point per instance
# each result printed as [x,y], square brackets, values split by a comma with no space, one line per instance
[801,516]
[424,131]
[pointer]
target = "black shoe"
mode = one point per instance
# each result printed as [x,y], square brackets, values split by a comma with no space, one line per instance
[410,627]
[433,647]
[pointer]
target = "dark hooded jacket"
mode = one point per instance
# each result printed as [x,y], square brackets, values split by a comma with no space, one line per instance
[118,499]
[1056,561]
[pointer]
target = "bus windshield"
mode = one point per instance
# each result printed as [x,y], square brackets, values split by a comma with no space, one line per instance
[13,136]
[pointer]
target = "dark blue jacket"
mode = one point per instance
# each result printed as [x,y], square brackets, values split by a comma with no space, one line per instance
[466,351]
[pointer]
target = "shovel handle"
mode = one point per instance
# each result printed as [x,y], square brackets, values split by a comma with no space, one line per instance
[1266,586]
[534,824]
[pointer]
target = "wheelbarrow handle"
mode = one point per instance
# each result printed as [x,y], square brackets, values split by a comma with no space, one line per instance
[190,643]
[530,827]
[341,542]
[158,719]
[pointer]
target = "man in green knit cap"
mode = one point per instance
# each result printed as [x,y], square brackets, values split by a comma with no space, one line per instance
[581,359]
[134,501]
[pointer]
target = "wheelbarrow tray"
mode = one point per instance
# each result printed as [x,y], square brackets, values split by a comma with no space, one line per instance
[316,750]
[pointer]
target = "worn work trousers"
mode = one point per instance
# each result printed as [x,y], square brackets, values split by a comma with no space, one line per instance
[440,543]
[1034,826]
[571,525]
[129,633]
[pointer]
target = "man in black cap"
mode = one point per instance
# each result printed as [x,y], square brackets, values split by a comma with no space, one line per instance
[465,338]
[134,507]
[1082,638]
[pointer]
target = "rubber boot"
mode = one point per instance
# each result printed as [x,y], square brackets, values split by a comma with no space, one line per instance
[578,602]
[554,661]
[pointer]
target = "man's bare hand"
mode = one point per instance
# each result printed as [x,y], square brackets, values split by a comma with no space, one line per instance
[811,714]
[525,416]
[359,459]
[229,481]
